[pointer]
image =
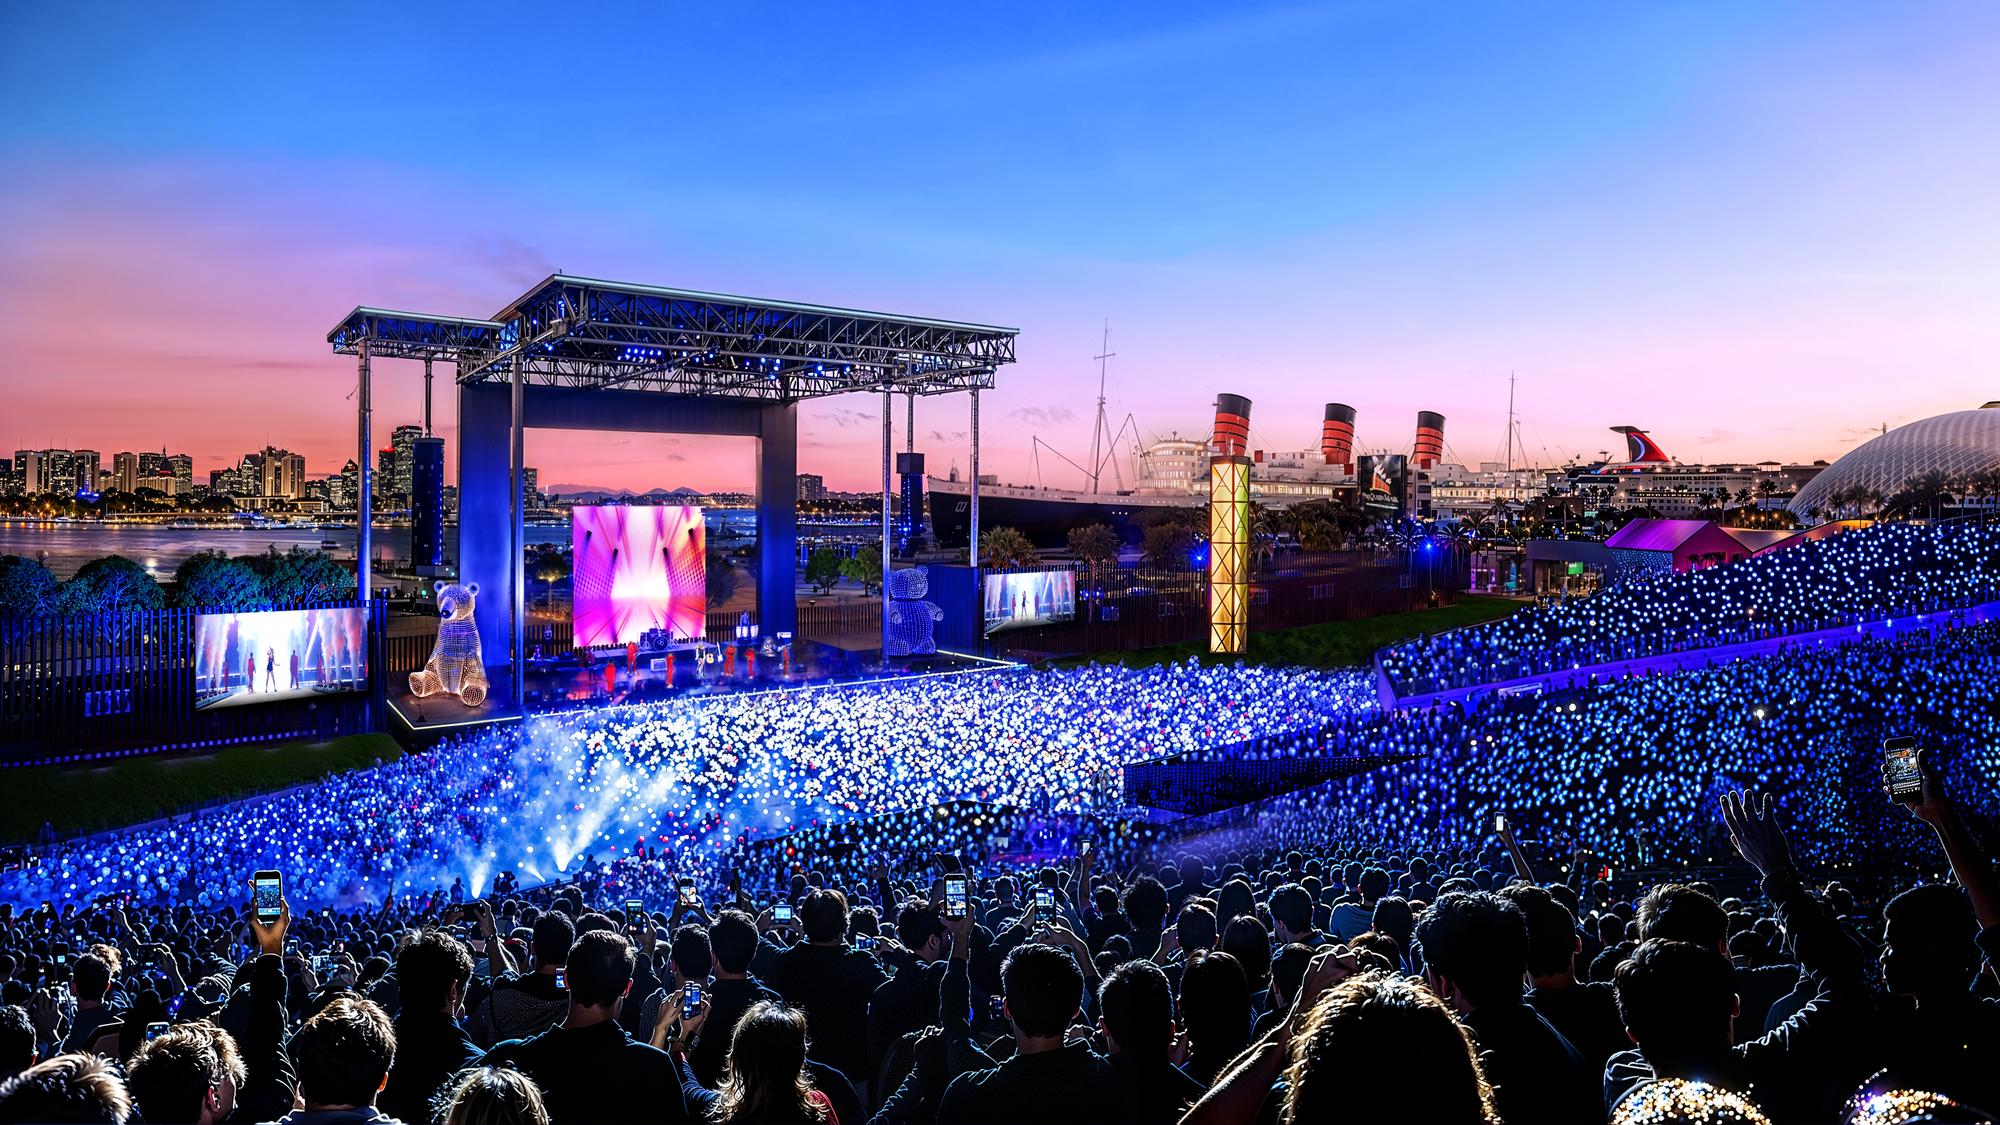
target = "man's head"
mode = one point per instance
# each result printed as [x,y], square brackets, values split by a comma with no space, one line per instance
[691,954]
[922,931]
[554,934]
[64,1089]
[431,971]
[17,1041]
[186,1076]
[1552,939]
[1384,1023]
[1288,972]
[823,915]
[1042,986]
[90,978]
[1478,944]
[1195,928]
[343,1054]
[1676,999]
[600,969]
[1374,884]
[1292,908]
[1679,912]
[1927,943]
[1145,903]
[733,941]
[1137,1007]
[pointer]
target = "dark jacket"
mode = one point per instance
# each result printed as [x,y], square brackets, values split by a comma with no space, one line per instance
[1537,1075]
[727,1000]
[522,1005]
[268,1081]
[430,1049]
[832,984]
[1160,1091]
[1072,1083]
[1951,1046]
[1587,1016]
[904,1003]
[597,1075]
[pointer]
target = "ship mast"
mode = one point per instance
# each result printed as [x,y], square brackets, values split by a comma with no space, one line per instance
[1510,421]
[1097,428]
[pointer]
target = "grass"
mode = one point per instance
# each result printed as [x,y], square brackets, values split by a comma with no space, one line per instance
[141,789]
[1335,644]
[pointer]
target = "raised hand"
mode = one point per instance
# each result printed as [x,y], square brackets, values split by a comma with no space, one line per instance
[271,935]
[1754,829]
[1930,805]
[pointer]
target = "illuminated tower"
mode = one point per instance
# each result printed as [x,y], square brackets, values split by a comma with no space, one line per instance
[1229,527]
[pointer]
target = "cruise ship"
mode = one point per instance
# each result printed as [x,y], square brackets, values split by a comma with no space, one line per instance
[1173,473]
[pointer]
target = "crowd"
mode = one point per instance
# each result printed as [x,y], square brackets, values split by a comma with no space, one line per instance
[1883,571]
[1227,984]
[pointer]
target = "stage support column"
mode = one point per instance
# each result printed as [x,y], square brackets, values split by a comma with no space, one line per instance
[516,571]
[364,510]
[973,515]
[1229,527]
[888,490]
[777,519]
[427,396]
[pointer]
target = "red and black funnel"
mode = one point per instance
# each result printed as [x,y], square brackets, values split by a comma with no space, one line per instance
[1336,436]
[1430,438]
[1232,426]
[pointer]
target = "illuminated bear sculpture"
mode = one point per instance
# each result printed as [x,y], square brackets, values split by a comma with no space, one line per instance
[455,665]
[910,617]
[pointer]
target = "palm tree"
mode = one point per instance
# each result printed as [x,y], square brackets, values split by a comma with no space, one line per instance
[1006,549]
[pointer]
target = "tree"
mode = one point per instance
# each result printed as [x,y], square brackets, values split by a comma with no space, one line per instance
[1007,549]
[300,577]
[865,567]
[113,583]
[1167,545]
[1097,547]
[27,589]
[823,570]
[213,580]
[721,579]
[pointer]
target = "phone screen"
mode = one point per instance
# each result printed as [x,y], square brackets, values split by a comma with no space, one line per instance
[688,897]
[1499,824]
[954,896]
[1905,779]
[562,980]
[268,896]
[1045,904]
[690,1000]
[635,912]
[156,1029]
[782,912]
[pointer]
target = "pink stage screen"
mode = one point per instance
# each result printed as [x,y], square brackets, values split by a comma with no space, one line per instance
[636,569]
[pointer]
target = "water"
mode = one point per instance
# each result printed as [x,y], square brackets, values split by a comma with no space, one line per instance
[160,549]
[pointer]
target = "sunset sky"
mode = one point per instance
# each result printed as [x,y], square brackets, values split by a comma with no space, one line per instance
[1757,230]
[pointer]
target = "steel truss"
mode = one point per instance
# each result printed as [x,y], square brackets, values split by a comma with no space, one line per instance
[585,334]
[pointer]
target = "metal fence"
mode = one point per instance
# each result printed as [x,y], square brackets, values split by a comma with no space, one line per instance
[109,685]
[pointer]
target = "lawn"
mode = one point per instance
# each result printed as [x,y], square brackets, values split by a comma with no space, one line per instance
[1335,644]
[141,789]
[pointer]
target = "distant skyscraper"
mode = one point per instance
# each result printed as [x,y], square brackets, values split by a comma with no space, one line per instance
[348,492]
[182,466]
[531,487]
[812,486]
[281,474]
[399,442]
[83,472]
[426,503]
[149,463]
[125,472]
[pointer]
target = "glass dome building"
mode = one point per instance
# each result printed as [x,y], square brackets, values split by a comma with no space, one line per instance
[1957,444]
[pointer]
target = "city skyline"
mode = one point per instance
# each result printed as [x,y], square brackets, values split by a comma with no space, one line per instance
[1759,231]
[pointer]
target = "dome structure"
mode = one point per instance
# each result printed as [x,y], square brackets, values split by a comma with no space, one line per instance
[1957,444]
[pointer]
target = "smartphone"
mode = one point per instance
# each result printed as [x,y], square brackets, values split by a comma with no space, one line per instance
[62,958]
[174,1007]
[635,912]
[562,980]
[690,1000]
[954,896]
[1906,781]
[157,1028]
[688,896]
[999,1007]
[864,941]
[1499,824]
[782,912]
[268,895]
[1045,904]
[1085,845]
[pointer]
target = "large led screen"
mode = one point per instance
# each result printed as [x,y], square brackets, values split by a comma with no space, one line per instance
[1016,601]
[244,658]
[638,568]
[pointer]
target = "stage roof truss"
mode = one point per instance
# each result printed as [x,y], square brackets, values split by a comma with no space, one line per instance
[587,335]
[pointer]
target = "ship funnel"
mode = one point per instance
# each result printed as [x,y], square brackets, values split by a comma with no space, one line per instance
[1430,438]
[1232,426]
[1336,436]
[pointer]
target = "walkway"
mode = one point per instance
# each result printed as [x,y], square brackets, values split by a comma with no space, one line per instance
[1691,658]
